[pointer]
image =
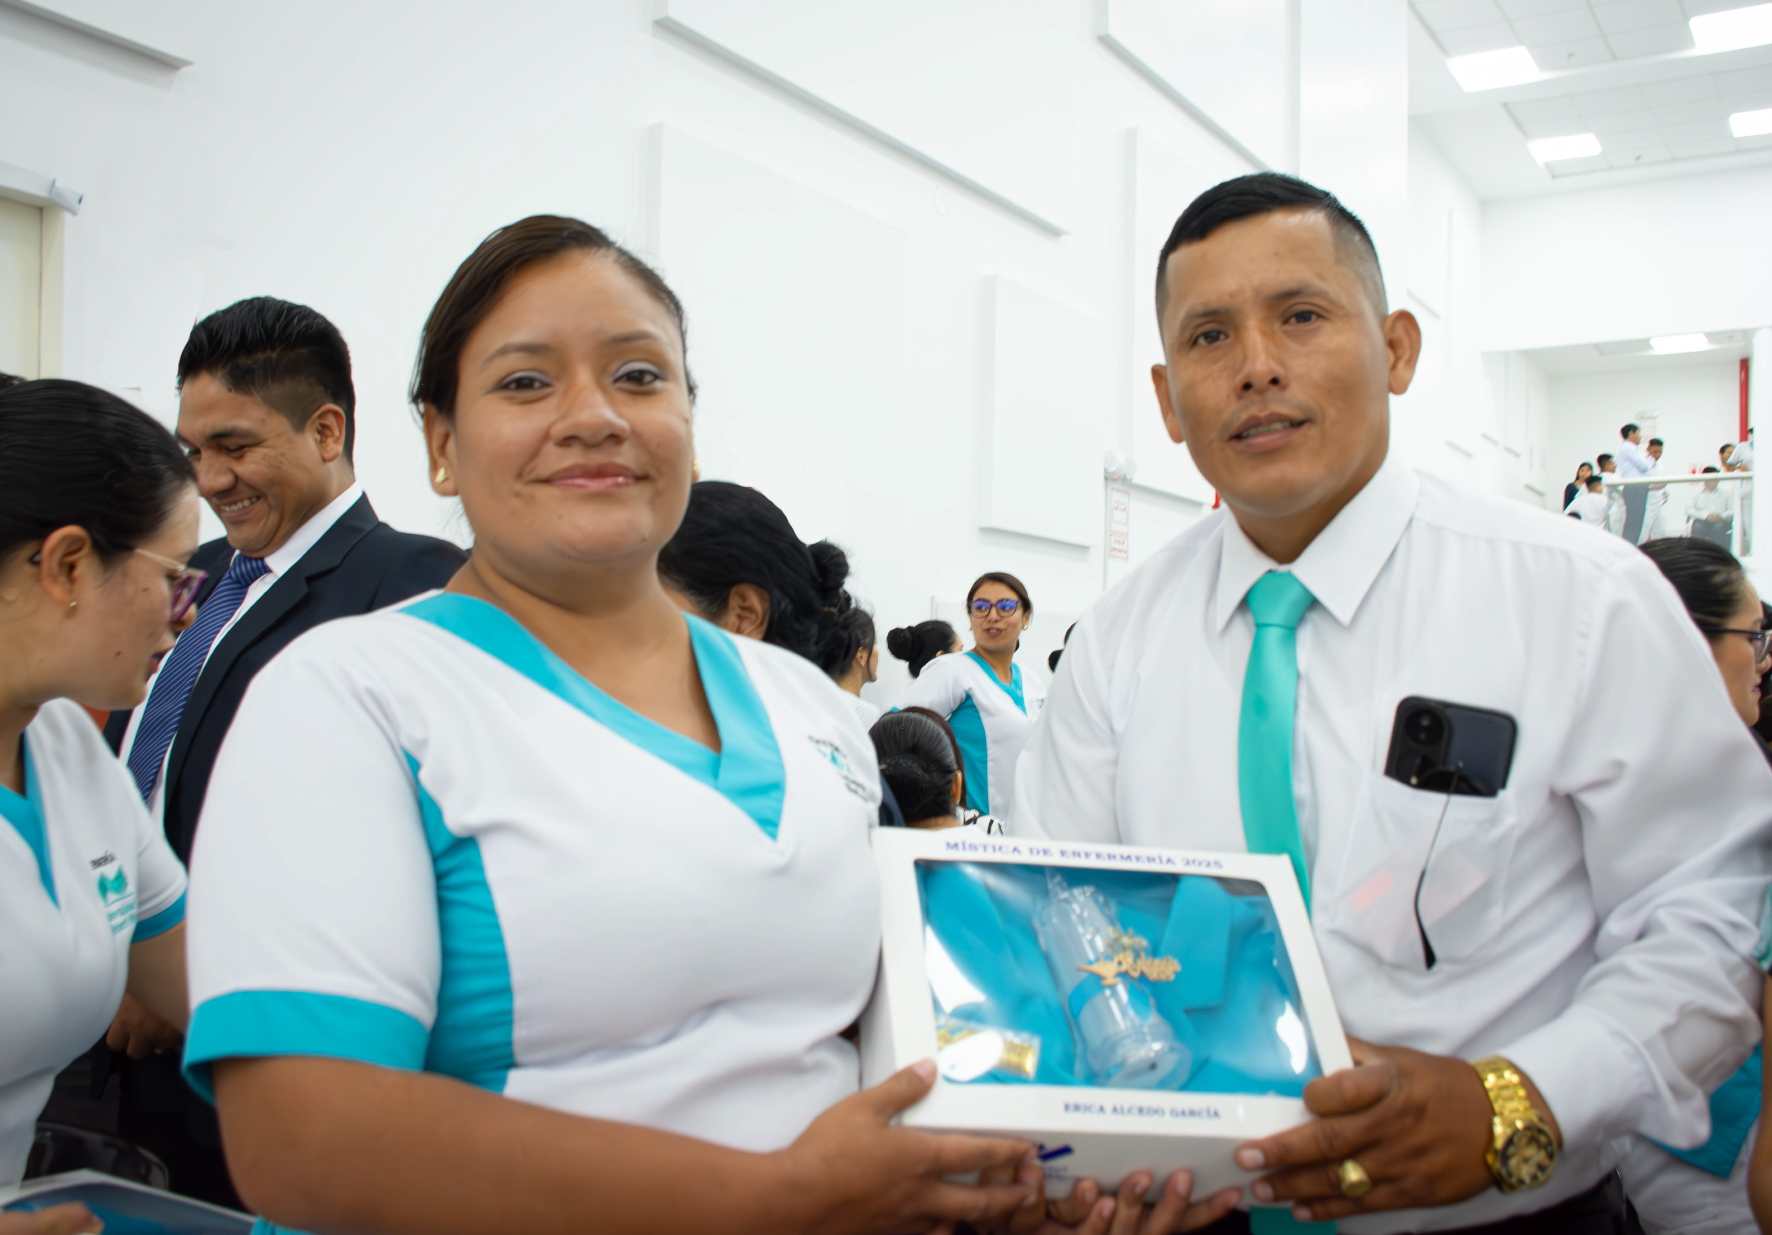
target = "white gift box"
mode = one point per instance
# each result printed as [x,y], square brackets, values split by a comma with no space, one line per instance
[968,920]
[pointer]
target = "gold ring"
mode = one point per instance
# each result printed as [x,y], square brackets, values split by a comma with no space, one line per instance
[1355,1183]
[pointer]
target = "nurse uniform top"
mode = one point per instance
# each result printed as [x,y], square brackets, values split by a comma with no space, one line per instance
[431,844]
[84,873]
[991,721]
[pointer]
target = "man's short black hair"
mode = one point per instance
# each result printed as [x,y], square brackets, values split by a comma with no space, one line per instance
[10,379]
[1709,470]
[1655,441]
[1602,460]
[284,354]
[1263,193]
[1628,430]
[1594,482]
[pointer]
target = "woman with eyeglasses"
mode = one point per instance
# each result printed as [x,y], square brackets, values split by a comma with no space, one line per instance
[98,515]
[1673,1188]
[982,694]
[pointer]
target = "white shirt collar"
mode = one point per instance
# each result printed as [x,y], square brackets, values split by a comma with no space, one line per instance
[1341,563]
[308,534]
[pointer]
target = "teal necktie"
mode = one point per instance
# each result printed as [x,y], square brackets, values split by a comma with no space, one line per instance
[1264,766]
[1264,734]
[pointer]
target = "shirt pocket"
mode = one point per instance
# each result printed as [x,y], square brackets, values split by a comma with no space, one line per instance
[1455,848]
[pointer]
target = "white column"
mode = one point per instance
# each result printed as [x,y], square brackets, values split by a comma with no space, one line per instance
[1759,412]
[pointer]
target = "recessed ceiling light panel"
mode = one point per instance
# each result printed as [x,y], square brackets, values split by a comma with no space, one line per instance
[1673,344]
[1575,146]
[1736,28]
[1751,123]
[1491,70]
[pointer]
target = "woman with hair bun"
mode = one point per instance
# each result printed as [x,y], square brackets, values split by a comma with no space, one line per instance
[918,645]
[737,562]
[98,518]
[860,662]
[920,762]
[982,694]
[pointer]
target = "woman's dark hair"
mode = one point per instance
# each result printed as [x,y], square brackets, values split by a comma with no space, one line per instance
[75,455]
[1579,466]
[916,762]
[1007,580]
[947,729]
[478,282]
[1057,653]
[732,535]
[858,636]
[1709,470]
[1711,583]
[918,645]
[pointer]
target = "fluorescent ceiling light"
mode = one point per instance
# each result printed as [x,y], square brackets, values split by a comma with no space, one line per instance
[1673,344]
[1751,123]
[1576,146]
[1735,28]
[1491,70]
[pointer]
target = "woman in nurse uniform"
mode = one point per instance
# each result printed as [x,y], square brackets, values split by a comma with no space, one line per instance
[537,904]
[983,695]
[98,513]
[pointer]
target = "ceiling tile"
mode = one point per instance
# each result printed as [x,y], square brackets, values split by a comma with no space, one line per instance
[1699,131]
[1535,129]
[1632,139]
[1556,28]
[1603,102]
[1740,81]
[1762,142]
[1655,41]
[1538,8]
[1680,90]
[1637,158]
[1571,55]
[1575,167]
[1702,149]
[1702,112]
[1472,39]
[1696,8]
[1755,100]
[1620,16]
[1534,110]
[1456,14]
[1605,127]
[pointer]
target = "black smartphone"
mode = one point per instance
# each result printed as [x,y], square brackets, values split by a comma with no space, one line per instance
[1450,748]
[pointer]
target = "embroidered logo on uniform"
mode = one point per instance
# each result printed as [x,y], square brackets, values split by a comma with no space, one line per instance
[833,755]
[119,900]
[103,859]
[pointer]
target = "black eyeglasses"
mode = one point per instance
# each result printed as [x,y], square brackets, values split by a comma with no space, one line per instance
[1758,638]
[1006,606]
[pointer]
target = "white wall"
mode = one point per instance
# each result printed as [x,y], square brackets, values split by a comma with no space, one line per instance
[349,155]
[1694,410]
[1667,257]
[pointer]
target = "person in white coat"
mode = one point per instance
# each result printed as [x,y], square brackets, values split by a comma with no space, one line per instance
[982,693]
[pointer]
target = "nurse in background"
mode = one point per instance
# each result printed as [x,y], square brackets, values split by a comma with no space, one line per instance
[862,665]
[98,514]
[918,645]
[982,693]
[563,899]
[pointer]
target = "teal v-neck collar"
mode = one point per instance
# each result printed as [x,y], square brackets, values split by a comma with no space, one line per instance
[748,768]
[26,815]
[1013,690]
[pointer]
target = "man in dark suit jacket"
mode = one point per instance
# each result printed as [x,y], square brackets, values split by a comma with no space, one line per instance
[266,413]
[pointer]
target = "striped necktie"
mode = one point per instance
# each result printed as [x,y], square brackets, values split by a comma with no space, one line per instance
[1264,735]
[166,705]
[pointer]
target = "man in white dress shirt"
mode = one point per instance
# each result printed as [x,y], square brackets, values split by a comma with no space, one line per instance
[1590,504]
[1550,967]
[1634,460]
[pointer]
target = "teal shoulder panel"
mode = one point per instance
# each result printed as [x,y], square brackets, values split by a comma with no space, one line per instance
[975,750]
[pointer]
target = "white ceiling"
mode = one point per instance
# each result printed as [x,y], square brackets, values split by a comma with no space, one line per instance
[1623,70]
[1634,356]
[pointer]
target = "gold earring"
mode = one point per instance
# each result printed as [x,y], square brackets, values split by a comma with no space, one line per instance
[442,474]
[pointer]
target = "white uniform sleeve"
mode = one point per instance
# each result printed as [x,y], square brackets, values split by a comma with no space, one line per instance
[313,924]
[940,687]
[1670,1009]
[1065,779]
[160,876]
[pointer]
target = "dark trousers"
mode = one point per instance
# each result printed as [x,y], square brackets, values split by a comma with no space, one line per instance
[1636,501]
[1601,1210]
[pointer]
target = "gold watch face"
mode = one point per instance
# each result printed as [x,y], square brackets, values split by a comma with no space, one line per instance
[1528,1156]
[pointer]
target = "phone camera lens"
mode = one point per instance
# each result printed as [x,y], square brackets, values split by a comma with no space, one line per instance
[1425,727]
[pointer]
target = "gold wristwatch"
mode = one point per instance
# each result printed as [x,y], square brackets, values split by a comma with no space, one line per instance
[1523,1152]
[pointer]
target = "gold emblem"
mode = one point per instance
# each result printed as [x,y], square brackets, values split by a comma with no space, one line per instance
[1133,964]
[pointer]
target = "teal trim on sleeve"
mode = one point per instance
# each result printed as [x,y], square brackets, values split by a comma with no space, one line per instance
[1013,690]
[1734,1106]
[1281,1222]
[258,1024]
[748,768]
[26,815]
[161,922]
[473,1038]
[975,752]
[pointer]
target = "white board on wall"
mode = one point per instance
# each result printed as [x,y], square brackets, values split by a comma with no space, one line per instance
[1235,66]
[981,91]
[1163,185]
[790,296]
[1044,439]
